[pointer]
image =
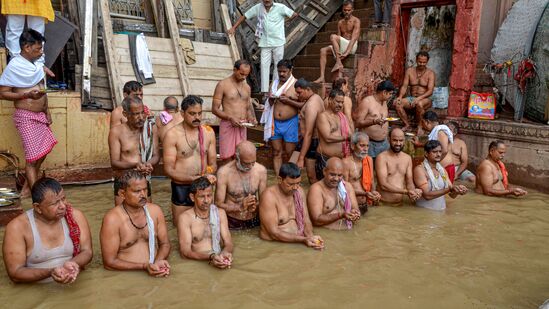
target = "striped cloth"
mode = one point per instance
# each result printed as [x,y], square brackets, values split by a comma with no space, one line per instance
[35,132]
[42,8]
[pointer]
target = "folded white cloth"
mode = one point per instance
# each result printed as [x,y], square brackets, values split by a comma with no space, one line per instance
[143,56]
[21,73]
[433,136]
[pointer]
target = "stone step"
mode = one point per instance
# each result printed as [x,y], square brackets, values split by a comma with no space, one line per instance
[314,48]
[363,4]
[324,36]
[312,73]
[314,61]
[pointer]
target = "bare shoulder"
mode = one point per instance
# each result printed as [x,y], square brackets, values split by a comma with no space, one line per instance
[269,194]
[315,187]
[356,20]
[209,131]
[260,168]
[19,224]
[459,142]
[154,209]
[112,217]
[79,215]
[224,170]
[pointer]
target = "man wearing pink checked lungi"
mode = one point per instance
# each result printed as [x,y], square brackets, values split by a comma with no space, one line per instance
[23,83]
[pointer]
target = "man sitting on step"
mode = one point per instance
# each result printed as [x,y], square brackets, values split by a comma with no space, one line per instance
[344,43]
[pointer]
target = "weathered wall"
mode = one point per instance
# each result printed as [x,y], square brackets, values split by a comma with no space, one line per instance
[493,14]
[537,94]
[432,30]
[82,136]
[527,158]
[202,13]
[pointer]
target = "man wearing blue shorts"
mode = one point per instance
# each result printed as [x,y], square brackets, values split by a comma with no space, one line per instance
[284,127]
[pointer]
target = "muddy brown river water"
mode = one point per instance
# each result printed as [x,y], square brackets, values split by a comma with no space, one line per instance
[480,253]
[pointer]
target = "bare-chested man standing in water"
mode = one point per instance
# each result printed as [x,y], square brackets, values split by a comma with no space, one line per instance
[240,183]
[314,105]
[134,235]
[283,211]
[492,177]
[371,117]
[232,104]
[334,132]
[359,172]
[189,153]
[421,80]
[203,232]
[329,205]
[133,144]
[394,172]
[344,43]
[460,155]
[285,121]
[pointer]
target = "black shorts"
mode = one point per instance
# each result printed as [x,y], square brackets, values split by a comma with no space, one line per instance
[118,185]
[236,224]
[311,152]
[320,165]
[181,195]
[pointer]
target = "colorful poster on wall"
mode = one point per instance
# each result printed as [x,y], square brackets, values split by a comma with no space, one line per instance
[482,105]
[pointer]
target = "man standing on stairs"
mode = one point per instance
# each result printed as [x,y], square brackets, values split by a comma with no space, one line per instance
[382,19]
[344,43]
[270,32]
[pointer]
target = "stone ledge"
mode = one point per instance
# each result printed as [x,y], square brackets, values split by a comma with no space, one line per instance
[501,129]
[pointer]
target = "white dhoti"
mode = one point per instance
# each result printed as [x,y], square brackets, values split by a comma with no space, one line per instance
[344,43]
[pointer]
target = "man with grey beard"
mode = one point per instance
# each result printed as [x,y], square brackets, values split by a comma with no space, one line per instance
[239,185]
[359,172]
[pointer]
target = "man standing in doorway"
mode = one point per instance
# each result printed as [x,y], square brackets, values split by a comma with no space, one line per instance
[271,35]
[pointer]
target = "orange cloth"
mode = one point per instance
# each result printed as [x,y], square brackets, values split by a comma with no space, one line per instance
[504,174]
[367,175]
[40,8]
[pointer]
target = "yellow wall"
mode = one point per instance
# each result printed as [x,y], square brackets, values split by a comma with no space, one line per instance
[82,136]
[202,13]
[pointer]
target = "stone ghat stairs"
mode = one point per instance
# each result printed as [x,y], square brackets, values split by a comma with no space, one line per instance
[306,64]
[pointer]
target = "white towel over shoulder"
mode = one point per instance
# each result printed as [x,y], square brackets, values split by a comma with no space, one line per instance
[21,73]
[433,136]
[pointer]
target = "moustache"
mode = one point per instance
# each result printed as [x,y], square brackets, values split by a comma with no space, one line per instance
[196,121]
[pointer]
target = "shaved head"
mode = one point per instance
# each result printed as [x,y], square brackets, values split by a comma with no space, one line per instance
[245,156]
[397,131]
[333,172]
[334,163]
[246,148]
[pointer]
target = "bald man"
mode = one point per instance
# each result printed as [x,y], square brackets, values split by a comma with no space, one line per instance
[331,201]
[239,185]
[394,171]
[169,117]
